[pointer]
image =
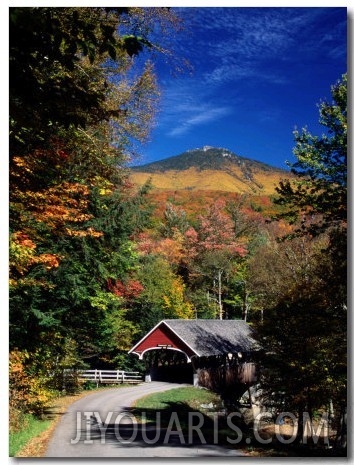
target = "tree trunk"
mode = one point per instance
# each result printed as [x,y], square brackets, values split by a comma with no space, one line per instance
[300,426]
[220,295]
[341,438]
[245,308]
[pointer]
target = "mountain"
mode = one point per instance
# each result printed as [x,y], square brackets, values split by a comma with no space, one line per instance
[210,168]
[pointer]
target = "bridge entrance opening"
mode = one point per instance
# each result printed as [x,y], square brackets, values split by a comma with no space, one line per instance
[168,365]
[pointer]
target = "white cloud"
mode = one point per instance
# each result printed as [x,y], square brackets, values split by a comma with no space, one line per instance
[238,41]
[186,104]
[201,116]
[235,50]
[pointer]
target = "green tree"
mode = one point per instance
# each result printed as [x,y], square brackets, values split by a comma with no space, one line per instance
[320,190]
[174,219]
[77,103]
[164,294]
[304,331]
[56,73]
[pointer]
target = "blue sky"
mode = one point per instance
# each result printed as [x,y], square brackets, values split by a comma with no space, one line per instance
[257,74]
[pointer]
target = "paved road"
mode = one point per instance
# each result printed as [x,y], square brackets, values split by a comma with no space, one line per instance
[103,425]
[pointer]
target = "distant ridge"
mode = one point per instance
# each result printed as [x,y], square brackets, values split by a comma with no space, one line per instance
[210,168]
[205,158]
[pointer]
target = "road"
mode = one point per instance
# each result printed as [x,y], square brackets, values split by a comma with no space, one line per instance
[103,425]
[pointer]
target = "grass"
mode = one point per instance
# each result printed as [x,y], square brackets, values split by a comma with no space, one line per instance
[190,396]
[32,427]
[205,405]
[33,438]
[190,399]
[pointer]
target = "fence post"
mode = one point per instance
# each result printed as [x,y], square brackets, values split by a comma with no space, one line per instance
[122,377]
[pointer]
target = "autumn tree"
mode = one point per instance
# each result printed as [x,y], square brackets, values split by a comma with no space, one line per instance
[277,266]
[56,77]
[164,294]
[212,253]
[174,221]
[77,103]
[317,198]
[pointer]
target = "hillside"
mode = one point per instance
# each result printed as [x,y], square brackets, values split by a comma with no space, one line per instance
[210,169]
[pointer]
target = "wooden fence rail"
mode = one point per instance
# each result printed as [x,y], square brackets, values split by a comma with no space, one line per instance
[111,376]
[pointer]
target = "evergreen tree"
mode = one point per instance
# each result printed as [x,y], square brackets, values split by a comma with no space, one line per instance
[304,332]
[77,103]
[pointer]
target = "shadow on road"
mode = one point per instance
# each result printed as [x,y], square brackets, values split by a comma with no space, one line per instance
[176,425]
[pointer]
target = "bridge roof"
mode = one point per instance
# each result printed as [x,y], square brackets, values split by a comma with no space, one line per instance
[198,338]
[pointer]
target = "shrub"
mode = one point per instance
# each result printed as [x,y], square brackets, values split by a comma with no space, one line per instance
[28,392]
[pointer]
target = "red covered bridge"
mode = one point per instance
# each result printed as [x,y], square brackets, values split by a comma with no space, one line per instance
[217,354]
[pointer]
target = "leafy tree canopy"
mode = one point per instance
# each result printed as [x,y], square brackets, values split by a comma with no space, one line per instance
[304,331]
[321,168]
[61,60]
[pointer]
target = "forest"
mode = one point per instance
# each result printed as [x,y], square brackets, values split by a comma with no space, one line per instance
[95,262]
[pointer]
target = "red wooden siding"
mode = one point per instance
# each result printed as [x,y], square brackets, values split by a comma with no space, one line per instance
[162,335]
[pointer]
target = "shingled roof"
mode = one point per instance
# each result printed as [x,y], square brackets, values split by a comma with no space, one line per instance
[214,337]
[201,337]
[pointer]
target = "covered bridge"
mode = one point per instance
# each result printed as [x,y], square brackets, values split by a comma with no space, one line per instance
[217,354]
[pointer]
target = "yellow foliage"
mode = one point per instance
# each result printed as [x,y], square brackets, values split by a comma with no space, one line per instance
[84,233]
[27,393]
[22,253]
[263,183]
[170,249]
[175,304]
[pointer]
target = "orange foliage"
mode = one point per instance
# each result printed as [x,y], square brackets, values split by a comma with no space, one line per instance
[130,289]
[83,233]
[26,392]
[172,249]
[23,255]
[61,207]
[57,206]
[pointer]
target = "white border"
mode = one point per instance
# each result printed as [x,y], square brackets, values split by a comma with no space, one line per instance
[4,182]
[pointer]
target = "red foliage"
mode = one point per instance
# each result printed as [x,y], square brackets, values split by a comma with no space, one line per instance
[216,231]
[131,289]
[145,243]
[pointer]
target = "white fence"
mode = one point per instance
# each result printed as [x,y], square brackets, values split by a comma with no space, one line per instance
[111,376]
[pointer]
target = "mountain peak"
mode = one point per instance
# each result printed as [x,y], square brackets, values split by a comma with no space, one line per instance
[215,151]
[207,157]
[209,147]
[209,168]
